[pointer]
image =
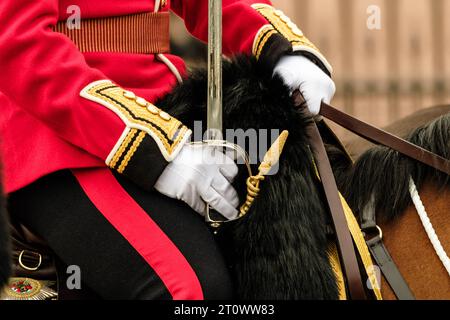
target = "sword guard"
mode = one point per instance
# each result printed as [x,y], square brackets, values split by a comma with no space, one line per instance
[270,159]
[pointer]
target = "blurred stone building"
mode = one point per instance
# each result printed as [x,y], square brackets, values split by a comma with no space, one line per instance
[387,72]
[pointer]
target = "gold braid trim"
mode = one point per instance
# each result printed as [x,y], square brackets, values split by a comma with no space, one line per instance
[284,26]
[333,258]
[137,113]
[271,158]
[122,148]
[364,253]
[261,38]
[131,152]
[360,243]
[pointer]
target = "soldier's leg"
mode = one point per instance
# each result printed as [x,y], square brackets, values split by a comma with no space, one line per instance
[175,257]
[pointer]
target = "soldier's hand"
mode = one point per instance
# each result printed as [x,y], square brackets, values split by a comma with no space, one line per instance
[201,175]
[298,72]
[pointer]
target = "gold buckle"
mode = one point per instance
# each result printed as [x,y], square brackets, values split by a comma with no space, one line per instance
[26,267]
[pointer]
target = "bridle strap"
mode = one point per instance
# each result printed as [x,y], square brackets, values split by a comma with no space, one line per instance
[345,244]
[350,266]
[379,136]
[346,248]
[374,241]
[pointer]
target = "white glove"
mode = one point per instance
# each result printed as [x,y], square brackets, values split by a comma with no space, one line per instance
[201,175]
[298,72]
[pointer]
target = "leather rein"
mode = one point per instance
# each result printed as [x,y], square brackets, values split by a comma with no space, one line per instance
[381,137]
[345,245]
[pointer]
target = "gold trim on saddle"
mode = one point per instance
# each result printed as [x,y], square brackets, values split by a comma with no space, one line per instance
[141,117]
[335,263]
[363,250]
[281,24]
[361,246]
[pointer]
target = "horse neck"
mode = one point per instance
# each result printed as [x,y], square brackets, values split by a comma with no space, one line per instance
[411,249]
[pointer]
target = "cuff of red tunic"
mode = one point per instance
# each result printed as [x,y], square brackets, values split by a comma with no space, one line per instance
[280,36]
[151,137]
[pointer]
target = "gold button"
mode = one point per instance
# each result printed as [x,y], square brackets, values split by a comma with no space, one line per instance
[129,95]
[278,13]
[142,102]
[152,109]
[297,31]
[165,116]
[285,19]
[292,25]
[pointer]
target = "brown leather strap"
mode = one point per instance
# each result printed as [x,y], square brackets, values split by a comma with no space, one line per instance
[345,243]
[374,241]
[142,33]
[378,136]
[30,251]
[350,267]
[382,137]
[389,269]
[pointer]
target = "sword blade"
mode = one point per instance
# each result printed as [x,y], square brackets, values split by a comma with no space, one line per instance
[214,118]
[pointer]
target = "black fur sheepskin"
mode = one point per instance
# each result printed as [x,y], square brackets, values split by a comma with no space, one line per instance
[384,173]
[5,267]
[280,248]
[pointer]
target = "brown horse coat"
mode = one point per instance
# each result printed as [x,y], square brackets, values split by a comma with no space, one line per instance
[409,246]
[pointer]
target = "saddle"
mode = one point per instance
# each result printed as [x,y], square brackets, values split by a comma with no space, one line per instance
[33,266]
[37,271]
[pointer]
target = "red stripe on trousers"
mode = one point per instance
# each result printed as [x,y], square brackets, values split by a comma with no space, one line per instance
[135,225]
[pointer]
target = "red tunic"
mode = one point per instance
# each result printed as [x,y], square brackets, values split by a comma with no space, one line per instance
[45,124]
[63,109]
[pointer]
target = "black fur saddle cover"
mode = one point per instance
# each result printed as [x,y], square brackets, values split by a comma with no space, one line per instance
[280,247]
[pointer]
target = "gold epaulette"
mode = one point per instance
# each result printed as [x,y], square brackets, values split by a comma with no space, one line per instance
[279,23]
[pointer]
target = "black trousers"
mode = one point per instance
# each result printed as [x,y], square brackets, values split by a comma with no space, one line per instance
[56,208]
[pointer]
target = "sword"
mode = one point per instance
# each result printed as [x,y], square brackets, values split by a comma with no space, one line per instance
[214,133]
[214,102]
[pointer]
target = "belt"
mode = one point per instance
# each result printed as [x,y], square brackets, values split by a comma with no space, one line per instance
[136,33]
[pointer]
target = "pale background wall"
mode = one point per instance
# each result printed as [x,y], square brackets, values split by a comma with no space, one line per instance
[381,75]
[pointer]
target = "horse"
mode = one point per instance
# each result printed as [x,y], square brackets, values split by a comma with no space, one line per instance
[381,177]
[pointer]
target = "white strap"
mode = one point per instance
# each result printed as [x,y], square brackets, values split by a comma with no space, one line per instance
[428,226]
[171,66]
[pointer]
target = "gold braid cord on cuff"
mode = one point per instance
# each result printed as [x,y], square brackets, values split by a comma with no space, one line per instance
[141,118]
[279,23]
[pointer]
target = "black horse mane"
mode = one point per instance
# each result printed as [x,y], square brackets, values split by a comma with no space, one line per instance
[280,247]
[384,174]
